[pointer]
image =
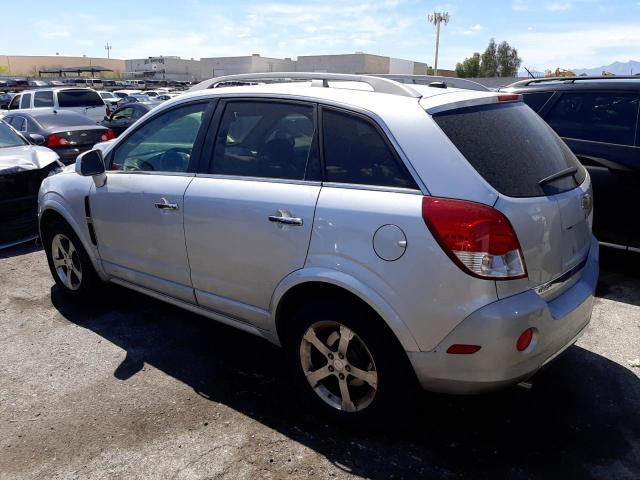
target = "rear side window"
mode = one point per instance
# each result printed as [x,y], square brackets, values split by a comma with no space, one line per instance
[512,148]
[536,100]
[25,101]
[600,117]
[43,99]
[79,98]
[268,140]
[355,152]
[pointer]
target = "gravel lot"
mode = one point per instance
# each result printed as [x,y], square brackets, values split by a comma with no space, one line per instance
[132,388]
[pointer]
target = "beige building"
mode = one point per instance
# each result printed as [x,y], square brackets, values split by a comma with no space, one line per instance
[359,62]
[164,68]
[219,66]
[20,65]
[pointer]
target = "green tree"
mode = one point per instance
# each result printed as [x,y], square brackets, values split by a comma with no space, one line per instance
[4,69]
[489,60]
[470,67]
[507,60]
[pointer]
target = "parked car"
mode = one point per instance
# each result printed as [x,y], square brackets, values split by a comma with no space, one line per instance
[23,166]
[166,96]
[80,100]
[134,98]
[5,99]
[380,237]
[110,99]
[125,93]
[126,115]
[66,133]
[598,119]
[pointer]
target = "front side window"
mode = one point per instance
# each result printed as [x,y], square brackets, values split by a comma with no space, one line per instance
[15,102]
[25,101]
[43,99]
[164,143]
[599,117]
[355,152]
[266,139]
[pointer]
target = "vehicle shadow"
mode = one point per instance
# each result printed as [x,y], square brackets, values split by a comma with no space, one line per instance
[580,419]
[20,249]
[619,276]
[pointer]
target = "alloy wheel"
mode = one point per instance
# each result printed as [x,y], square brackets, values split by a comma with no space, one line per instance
[66,261]
[338,366]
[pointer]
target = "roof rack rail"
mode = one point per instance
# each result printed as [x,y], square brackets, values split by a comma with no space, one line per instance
[531,81]
[380,85]
[451,82]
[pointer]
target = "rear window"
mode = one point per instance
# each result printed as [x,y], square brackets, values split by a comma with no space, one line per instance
[512,148]
[79,98]
[61,120]
[536,100]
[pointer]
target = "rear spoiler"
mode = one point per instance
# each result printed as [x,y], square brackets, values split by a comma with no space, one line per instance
[474,101]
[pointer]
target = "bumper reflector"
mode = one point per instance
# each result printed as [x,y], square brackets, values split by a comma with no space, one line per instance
[462,349]
[524,340]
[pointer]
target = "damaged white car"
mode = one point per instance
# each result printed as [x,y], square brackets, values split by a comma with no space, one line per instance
[23,166]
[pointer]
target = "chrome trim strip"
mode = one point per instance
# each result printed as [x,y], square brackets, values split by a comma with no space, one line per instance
[552,285]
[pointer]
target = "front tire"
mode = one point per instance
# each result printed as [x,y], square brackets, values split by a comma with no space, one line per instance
[68,261]
[346,364]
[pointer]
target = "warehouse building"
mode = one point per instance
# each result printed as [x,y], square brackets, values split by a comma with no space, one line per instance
[28,65]
[219,66]
[164,68]
[359,62]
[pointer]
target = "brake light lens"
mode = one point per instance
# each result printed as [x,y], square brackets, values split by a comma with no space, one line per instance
[510,97]
[56,141]
[108,135]
[478,238]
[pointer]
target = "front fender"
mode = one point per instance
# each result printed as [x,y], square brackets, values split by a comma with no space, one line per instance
[75,217]
[353,285]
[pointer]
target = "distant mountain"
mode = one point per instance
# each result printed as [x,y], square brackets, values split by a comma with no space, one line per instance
[617,68]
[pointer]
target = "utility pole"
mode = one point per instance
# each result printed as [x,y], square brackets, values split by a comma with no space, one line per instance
[437,18]
[108,48]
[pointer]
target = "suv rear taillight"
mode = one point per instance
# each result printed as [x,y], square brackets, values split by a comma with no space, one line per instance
[478,238]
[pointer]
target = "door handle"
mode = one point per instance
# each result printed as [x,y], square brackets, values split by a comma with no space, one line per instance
[284,219]
[164,204]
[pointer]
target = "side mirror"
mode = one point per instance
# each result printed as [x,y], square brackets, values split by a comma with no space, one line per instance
[36,139]
[91,164]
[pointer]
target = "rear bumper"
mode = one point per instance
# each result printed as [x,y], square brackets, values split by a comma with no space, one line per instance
[496,327]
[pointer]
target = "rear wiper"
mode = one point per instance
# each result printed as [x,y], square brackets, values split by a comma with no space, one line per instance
[567,172]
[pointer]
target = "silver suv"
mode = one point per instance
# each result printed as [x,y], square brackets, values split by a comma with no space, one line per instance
[386,235]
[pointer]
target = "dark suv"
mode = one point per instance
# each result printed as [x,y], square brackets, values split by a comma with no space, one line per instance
[598,119]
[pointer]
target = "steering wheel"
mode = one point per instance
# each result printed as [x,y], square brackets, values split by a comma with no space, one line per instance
[175,159]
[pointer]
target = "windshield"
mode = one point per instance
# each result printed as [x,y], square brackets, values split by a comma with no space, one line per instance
[513,149]
[9,138]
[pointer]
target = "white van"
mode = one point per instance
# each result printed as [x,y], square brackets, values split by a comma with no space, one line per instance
[80,100]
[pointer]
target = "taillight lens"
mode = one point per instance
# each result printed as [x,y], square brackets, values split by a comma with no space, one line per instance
[478,238]
[56,141]
[108,135]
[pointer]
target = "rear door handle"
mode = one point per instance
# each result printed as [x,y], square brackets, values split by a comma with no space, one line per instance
[284,218]
[164,204]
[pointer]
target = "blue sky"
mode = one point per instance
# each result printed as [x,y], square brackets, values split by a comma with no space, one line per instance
[547,33]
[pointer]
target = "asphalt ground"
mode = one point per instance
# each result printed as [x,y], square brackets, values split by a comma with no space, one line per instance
[129,387]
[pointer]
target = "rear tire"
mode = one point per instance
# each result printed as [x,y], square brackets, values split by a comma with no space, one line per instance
[346,364]
[68,261]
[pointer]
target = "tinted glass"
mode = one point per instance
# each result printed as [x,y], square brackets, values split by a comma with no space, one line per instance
[536,100]
[270,140]
[43,99]
[355,152]
[162,144]
[19,124]
[600,117]
[79,98]
[25,101]
[512,148]
[15,102]
[123,114]
[66,119]
[9,138]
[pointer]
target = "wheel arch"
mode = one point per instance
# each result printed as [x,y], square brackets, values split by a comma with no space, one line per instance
[306,283]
